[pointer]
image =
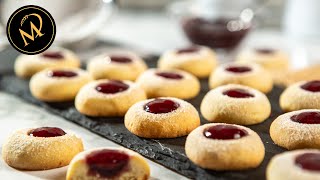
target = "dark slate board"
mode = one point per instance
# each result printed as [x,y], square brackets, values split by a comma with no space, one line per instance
[168,152]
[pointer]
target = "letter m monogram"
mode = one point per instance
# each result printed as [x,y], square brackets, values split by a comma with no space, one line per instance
[31,37]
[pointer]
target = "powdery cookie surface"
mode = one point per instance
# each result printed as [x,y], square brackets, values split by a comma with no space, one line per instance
[28,65]
[101,66]
[23,151]
[257,78]
[283,166]
[157,86]
[294,135]
[232,154]
[295,98]
[136,167]
[179,122]
[93,103]
[217,107]
[57,89]
[199,63]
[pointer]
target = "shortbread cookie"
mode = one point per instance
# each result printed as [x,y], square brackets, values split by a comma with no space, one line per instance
[197,60]
[165,117]
[297,129]
[169,83]
[219,146]
[273,60]
[251,75]
[28,65]
[295,165]
[235,104]
[59,84]
[301,95]
[108,163]
[108,97]
[40,148]
[117,66]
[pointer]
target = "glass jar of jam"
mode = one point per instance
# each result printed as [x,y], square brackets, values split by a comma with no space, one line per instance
[219,24]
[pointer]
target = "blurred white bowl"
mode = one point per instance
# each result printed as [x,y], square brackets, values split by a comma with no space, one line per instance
[75,19]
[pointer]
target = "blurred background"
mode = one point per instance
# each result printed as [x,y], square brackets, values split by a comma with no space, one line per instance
[152,26]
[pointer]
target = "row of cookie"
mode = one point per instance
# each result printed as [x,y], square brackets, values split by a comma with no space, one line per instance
[229,103]
[212,146]
[175,83]
[298,129]
[199,61]
[118,65]
[51,147]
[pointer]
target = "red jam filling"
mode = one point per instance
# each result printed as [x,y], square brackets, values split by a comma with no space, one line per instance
[188,50]
[238,93]
[62,73]
[308,161]
[224,132]
[120,59]
[238,69]
[313,86]
[53,55]
[112,87]
[159,106]
[169,75]
[46,132]
[264,50]
[107,163]
[307,118]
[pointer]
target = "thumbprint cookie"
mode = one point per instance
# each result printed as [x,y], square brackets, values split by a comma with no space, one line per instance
[108,163]
[251,75]
[165,117]
[169,83]
[235,104]
[301,95]
[118,66]
[40,148]
[28,65]
[57,85]
[271,59]
[197,60]
[108,97]
[295,165]
[297,129]
[219,146]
